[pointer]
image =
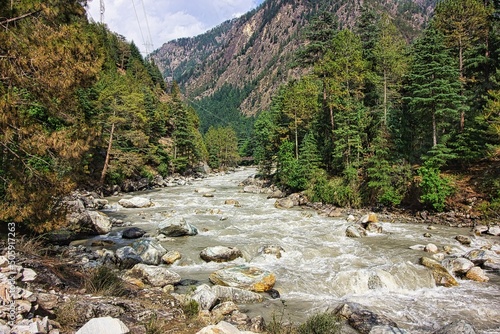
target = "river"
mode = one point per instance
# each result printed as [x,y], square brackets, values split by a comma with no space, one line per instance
[320,266]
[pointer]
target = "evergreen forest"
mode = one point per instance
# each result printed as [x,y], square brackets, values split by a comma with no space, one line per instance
[376,120]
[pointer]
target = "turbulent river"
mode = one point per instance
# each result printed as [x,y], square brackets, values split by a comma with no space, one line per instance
[320,267]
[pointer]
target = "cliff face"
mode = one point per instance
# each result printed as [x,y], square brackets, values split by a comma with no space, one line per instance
[253,52]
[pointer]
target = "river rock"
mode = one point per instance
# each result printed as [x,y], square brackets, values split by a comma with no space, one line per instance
[463,239]
[106,325]
[231,202]
[47,301]
[477,274]
[355,231]
[153,275]
[150,251]
[373,227]
[458,266]
[479,256]
[176,227]
[494,230]
[220,254]
[221,328]
[386,329]
[431,248]
[457,327]
[127,257]
[204,190]
[252,189]
[240,296]
[362,319]
[440,274]
[271,250]
[135,202]
[133,233]
[171,257]
[244,277]
[223,309]
[101,223]
[369,218]
[205,297]
[284,203]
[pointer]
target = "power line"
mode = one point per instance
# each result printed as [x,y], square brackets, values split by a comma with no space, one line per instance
[150,41]
[140,28]
[102,11]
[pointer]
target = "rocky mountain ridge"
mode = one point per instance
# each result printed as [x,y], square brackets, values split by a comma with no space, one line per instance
[253,53]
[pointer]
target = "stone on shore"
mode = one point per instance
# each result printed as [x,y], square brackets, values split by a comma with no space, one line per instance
[153,275]
[133,233]
[244,277]
[150,251]
[135,202]
[106,325]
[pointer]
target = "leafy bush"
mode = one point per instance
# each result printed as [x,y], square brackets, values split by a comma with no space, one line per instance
[191,308]
[322,323]
[435,188]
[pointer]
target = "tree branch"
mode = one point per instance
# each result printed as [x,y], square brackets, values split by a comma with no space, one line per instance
[19,17]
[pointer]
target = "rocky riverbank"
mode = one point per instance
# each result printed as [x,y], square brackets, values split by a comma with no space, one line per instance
[51,287]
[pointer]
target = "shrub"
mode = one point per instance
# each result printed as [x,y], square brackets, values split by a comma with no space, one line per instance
[191,308]
[105,281]
[322,323]
[435,188]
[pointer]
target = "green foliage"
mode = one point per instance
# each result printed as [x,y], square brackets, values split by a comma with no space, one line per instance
[104,281]
[435,188]
[191,308]
[321,323]
[289,171]
[222,147]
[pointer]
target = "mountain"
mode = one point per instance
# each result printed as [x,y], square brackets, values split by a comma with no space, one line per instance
[248,58]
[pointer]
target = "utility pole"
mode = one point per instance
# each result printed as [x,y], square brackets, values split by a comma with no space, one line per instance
[102,11]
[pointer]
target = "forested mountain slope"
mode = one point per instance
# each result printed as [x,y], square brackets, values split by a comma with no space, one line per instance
[251,56]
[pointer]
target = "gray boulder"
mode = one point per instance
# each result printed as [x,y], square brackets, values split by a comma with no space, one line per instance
[150,251]
[176,228]
[153,275]
[127,257]
[244,277]
[133,233]
[457,327]
[220,254]
[135,202]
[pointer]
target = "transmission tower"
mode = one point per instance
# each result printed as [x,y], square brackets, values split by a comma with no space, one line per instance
[102,11]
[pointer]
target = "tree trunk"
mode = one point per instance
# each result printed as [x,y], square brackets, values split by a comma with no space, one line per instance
[296,137]
[385,97]
[434,130]
[108,154]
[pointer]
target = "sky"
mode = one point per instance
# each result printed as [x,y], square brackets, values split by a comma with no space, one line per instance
[150,23]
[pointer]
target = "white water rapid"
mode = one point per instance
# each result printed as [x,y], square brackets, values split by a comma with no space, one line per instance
[320,267]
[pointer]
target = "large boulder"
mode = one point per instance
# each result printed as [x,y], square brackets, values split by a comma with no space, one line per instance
[127,257]
[133,233]
[153,275]
[457,327]
[284,203]
[150,251]
[205,297]
[135,202]
[355,231]
[100,222]
[176,228]
[364,320]
[458,266]
[239,296]
[220,254]
[244,277]
[440,274]
[106,325]
[271,250]
[221,328]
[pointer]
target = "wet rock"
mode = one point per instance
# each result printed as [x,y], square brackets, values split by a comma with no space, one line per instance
[106,325]
[431,248]
[440,274]
[271,250]
[387,330]
[427,235]
[133,233]
[150,251]
[418,247]
[153,275]
[363,320]
[224,309]
[220,254]
[231,202]
[369,218]
[127,257]
[171,257]
[135,202]
[457,327]
[477,274]
[284,203]
[355,231]
[373,227]
[480,256]
[494,230]
[463,239]
[208,195]
[458,266]
[252,189]
[204,190]
[244,277]
[274,293]
[176,227]
[100,222]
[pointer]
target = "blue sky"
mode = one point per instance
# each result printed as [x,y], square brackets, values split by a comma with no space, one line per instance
[150,23]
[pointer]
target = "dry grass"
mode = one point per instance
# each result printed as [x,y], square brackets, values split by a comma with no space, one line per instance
[67,315]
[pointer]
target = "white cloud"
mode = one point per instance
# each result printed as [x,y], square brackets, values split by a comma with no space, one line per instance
[167,19]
